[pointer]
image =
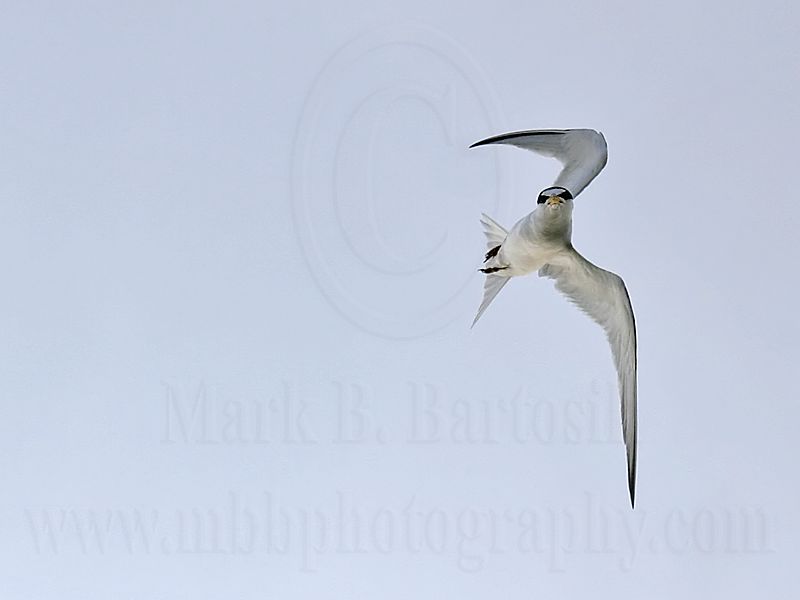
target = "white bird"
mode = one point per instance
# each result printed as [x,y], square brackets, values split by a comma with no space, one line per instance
[542,241]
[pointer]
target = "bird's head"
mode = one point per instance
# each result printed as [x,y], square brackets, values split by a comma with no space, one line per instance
[555,200]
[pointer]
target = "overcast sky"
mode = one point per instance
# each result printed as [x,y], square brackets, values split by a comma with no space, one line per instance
[239,245]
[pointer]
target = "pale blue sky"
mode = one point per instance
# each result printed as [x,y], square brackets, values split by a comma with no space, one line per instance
[238,248]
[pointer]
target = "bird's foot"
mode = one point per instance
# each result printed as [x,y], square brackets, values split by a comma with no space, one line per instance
[491,253]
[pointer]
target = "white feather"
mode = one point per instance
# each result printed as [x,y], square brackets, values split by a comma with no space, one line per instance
[582,152]
[602,295]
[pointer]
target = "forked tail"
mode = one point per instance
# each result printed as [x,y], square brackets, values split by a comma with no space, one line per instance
[494,232]
[495,236]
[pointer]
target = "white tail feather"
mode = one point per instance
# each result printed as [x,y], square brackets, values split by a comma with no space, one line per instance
[495,233]
[495,236]
[491,287]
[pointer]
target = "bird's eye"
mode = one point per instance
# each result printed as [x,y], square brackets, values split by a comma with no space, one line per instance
[542,199]
[566,195]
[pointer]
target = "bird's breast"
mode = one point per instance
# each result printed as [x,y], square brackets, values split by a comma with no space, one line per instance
[532,242]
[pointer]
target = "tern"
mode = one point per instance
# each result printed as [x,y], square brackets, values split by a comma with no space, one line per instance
[542,242]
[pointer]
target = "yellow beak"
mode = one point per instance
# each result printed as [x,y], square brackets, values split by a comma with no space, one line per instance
[554,200]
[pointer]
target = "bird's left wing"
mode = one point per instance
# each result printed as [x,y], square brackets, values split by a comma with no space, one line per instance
[582,152]
[602,295]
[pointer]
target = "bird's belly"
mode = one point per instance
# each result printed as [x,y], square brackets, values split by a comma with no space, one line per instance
[524,256]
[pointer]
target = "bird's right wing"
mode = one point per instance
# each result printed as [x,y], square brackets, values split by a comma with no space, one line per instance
[582,152]
[602,295]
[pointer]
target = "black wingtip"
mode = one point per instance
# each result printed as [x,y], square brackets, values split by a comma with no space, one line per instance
[632,490]
[504,137]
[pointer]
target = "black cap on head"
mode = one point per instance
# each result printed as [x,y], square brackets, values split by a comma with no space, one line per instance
[553,191]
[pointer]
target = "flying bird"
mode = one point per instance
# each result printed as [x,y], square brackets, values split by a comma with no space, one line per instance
[542,242]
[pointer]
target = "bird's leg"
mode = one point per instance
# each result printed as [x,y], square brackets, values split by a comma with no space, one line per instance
[492,253]
[492,269]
